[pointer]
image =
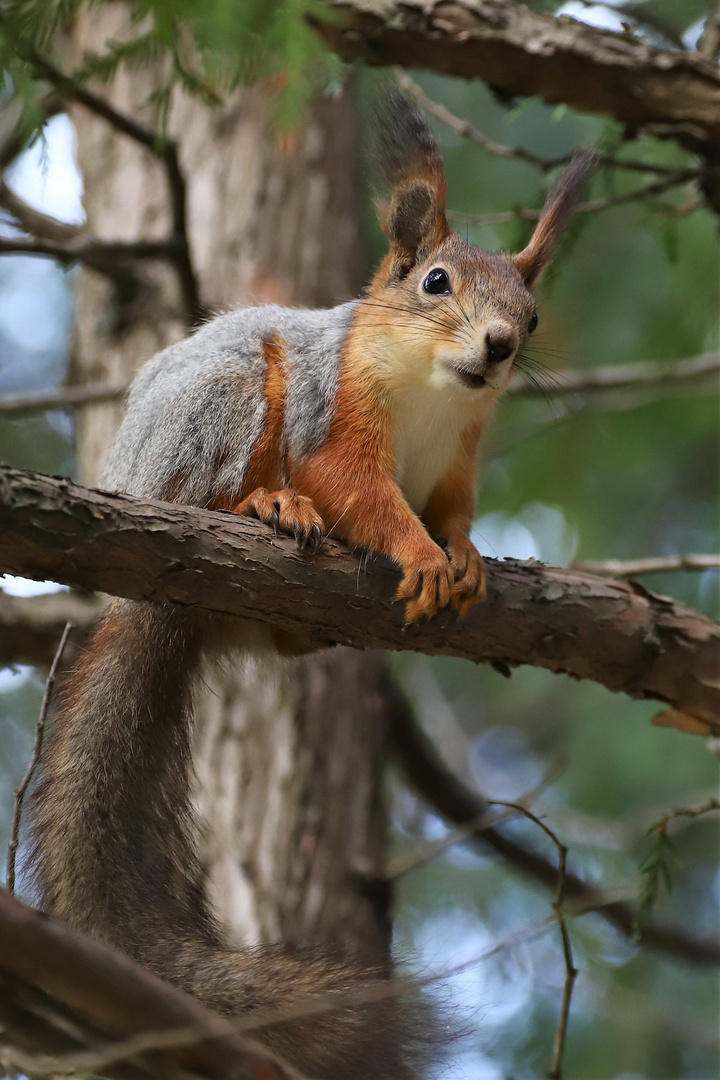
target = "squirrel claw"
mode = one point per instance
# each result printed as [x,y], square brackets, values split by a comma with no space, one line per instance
[285,512]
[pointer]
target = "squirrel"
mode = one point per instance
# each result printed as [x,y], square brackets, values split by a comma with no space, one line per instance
[361,421]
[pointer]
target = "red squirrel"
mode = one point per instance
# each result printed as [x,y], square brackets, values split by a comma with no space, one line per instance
[362,421]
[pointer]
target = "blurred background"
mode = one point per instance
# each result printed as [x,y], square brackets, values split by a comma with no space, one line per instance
[620,474]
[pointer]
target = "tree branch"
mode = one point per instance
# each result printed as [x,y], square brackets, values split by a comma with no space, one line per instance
[667,93]
[694,373]
[678,375]
[609,631]
[54,982]
[63,398]
[466,131]
[590,206]
[458,804]
[102,255]
[164,148]
[31,625]
[33,221]
[709,43]
[659,565]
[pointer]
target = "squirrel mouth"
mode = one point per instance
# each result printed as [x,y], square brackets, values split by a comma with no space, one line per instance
[469,378]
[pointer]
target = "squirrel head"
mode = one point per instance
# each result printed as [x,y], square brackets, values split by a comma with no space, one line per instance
[451,314]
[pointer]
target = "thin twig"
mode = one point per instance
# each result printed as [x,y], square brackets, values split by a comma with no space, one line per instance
[478,825]
[165,149]
[466,131]
[454,801]
[110,980]
[555,1072]
[591,206]
[37,749]
[404,863]
[571,972]
[705,807]
[660,565]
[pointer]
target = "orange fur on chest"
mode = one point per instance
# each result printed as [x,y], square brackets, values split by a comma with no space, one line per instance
[342,476]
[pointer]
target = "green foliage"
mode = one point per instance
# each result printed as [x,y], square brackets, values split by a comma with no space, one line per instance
[207,49]
[656,873]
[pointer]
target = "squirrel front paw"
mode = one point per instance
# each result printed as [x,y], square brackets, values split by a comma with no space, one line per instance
[427,584]
[469,585]
[287,512]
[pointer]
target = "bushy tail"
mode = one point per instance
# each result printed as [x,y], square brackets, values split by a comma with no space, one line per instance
[115,857]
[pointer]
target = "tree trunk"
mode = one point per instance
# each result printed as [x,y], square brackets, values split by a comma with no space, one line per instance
[289,755]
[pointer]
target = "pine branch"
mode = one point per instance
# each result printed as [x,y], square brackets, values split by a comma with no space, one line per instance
[165,149]
[568,622]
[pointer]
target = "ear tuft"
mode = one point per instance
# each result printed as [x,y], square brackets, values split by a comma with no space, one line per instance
[410,159]
[405,145]
[555,217]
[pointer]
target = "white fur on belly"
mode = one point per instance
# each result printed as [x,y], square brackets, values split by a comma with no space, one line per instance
[428,424]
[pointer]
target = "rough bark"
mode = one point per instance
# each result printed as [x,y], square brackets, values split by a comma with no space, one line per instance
[567,621]
[668,93]
[272,220]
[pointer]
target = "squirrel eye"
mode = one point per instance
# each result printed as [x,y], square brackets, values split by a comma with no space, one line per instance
[533,322]
[437,282]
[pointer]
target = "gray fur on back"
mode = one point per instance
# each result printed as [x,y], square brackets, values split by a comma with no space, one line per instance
[196,410]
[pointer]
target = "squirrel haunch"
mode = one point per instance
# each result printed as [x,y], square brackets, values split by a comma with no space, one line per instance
[363,420]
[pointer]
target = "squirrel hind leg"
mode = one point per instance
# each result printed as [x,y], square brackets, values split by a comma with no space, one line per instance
[287,512]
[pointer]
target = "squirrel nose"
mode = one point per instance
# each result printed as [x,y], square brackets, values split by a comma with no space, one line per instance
[500,343]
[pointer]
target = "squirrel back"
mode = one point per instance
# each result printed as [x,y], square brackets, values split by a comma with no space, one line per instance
[365,419]
[197,410]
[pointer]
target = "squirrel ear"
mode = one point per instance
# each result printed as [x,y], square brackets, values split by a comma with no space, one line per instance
[555,218]
[415,221]
[415,225]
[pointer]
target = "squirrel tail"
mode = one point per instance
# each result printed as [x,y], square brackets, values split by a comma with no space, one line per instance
[114,857]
